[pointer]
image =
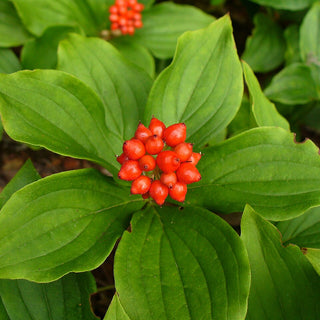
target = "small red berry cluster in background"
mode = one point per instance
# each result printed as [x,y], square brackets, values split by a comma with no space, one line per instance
[125,16]
[159,162]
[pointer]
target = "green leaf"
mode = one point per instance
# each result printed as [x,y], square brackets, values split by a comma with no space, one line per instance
[266,47]
[264,112]
[309,41]
[41,53]
[164,23]
[286,4]
[292,85]
[9,62]
[12,31]
[81,213]
[292,53]
[55,110]
[115,310]
[102,67]
[25,175]
[203,86]
[263,167]
[135,53]
[187,264]
[64,299]
[38,15]
[284,284]
[313,255]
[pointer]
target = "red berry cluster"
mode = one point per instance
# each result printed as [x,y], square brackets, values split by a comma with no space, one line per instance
[159,162]
[125,16]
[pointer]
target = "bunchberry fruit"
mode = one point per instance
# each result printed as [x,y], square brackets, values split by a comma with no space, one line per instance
[178,191]
[194,159]
[188,173]
[158,192]
[154,144]
[147,163]
[130,170]
[169,179]
[141,185]
[183,150]
[134,149]
[122,158]
[168,161]
[157,127]
[175,134]
[142,133]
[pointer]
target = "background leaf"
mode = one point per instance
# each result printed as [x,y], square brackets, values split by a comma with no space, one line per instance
[292,53]
[266,47]
[284,284]
[263,167]
[12,31]
[38,15]
[187,264]
[203,86]
[285,4]
[115,310]
[264,112]
[122,87]
[164,23]
[81,213]
[64,299]
[9,62]
[55,110]
[292,85]
[41,53]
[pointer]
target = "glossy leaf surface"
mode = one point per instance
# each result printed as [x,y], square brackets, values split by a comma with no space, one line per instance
[188,264]
[164,23]
[55,110]
[115,310]
[263,167]
[64,299]
[265,48]
[264,111]
[81,213]
[285,4]
[284,284]
[9,62]
[122,87]
[203,85]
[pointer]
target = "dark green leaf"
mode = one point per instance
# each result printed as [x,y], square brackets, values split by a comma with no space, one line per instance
[122,86]
[266,47]
[38,15]
[9,62]
[263,167]
[203,86]
[284,284]
[292,53]
[286,4]
[187,264]
[293,85]
[264,112]
[135,53]
[25,175]
[115,310]
[64,299]
[55,110]
[41,53]
[12,31]
[62,223]
[164,23]
[313,256]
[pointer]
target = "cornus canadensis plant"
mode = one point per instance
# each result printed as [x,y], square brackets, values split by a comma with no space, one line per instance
[175,261]
[169,172]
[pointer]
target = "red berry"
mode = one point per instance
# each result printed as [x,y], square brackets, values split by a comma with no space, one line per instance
[183,150]
[175,134]
[120,3]
[158,192]
[130,170]
[138,7]
[129,15]
[188,173]
[134,149]
[168,161]
[122,158]
[122,21]
[122,10]
[194,158]
[169,179]
[178,191]
[114,26]
[142,133]
[132,3]
[154,144]
[131,30]
[141,185]
[146,195]
[138,24]
[113,17]
[113,9]
[137,16]
[147,163]
[124,29]
[156,126]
